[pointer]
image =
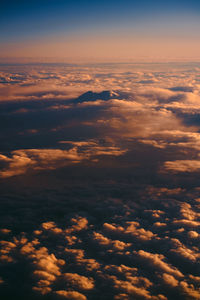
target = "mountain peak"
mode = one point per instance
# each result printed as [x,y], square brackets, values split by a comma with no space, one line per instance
[92,96]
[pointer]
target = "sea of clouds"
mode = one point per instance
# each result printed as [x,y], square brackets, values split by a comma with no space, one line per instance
[99,181]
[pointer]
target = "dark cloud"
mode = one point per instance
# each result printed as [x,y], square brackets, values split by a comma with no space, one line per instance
[182,89]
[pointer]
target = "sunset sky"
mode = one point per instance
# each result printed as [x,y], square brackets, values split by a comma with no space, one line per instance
[99,150]
[99,30]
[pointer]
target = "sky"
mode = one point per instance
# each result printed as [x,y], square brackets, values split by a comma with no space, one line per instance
[99,30]
[99,150]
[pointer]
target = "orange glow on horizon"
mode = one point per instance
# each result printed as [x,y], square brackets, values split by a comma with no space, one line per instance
[104,48]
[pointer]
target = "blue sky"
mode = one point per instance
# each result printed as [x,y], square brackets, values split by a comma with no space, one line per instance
[27,19]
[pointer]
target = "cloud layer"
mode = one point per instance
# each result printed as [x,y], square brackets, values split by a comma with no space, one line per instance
[99,168]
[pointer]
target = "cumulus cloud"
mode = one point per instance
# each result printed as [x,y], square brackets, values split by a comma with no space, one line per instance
[74,270]
[72,295]
[24,160]
[79,282]
[170,280]
[156,261]
[182,165]
[37,159]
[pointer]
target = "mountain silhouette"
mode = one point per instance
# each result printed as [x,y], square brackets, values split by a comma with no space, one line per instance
[91,96]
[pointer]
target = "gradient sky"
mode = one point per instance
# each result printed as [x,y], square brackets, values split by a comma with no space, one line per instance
[99,162]
[100,30]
